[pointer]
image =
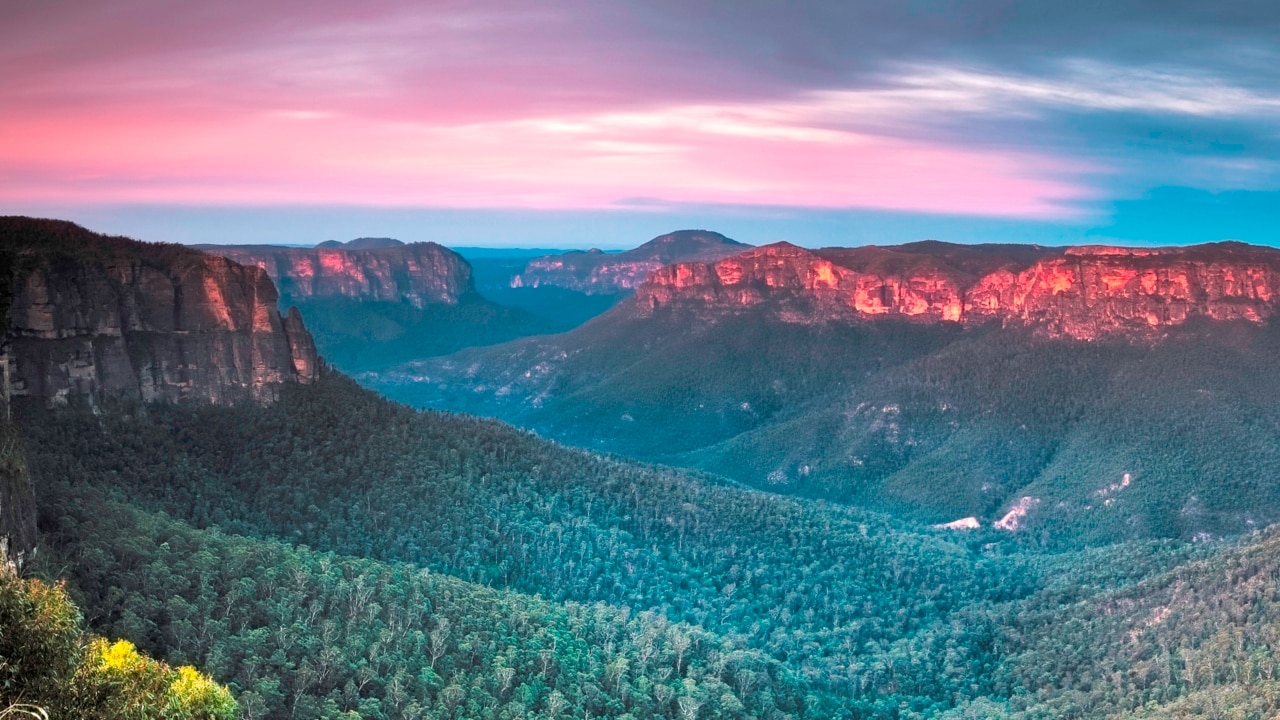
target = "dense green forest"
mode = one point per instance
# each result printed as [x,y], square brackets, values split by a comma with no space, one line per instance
[337,553]
[930,422]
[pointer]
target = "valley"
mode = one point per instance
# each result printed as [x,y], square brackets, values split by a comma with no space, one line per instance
[931,381]
[633,360]
[327,552]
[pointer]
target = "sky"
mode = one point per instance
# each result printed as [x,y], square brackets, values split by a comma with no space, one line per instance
[603,123]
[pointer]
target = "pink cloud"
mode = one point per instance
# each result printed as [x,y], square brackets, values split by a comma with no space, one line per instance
[455,107]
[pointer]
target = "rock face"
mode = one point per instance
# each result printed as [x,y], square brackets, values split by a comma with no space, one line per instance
[95,317]
[92,317]
[1084,292]
[597,272]
[363,269]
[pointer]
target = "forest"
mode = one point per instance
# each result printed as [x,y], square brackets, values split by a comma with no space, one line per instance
[336,554]
[928,422]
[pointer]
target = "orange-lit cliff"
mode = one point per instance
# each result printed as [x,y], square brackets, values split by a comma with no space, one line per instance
[417,273]
[1082,292]
[95,316]
[88,318]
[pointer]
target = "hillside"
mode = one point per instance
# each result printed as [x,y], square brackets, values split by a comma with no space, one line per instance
[902,382]
[661,593]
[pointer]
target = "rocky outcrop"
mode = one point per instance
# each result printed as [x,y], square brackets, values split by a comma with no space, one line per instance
[364,269]
[1082,292]
[597,272]
[95,317]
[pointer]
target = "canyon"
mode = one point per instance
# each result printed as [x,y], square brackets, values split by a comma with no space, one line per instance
[928,380]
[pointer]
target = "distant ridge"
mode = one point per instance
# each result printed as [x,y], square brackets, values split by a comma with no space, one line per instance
[362,243]
[597,272]
[381,269]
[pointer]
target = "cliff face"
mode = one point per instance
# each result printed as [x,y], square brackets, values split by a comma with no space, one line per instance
[1080,292]
[418,273]
[600,273]
[98,317]
[90,316]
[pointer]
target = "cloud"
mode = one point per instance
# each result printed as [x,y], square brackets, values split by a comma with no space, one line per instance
[988,108]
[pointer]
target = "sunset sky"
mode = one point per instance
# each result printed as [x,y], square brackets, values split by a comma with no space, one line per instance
[569,124]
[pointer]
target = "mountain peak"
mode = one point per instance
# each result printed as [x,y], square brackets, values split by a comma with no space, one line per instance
[596,272]
[782,248]
[360,243]
[371,243]
[687,245]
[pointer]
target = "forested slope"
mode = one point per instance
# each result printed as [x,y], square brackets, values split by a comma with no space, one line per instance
[339,469]
[355,538]
[934,422]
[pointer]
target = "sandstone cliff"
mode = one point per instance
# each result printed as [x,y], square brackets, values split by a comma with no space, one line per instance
[1084,292]
[597,272]
[94,316]
[417,273]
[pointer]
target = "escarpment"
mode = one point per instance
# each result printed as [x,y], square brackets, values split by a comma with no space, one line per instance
[94,317]
[1083,292]
[416,273]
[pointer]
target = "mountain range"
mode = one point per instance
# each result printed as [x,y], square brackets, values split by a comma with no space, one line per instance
[569,288]
[999,386]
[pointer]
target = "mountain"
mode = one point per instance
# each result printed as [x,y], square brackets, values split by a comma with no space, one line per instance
[368,269]
[92,318]
[376,302]
[569,288]
[562,308]
[1080,292]
[1073,394]
[596,272]
[362,243]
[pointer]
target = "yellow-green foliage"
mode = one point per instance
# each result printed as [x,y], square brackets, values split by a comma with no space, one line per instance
[148,688]
[46,666]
